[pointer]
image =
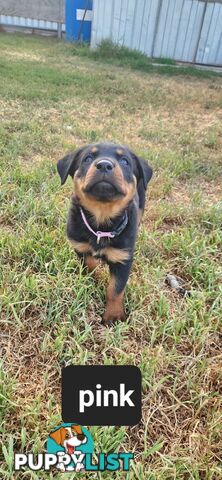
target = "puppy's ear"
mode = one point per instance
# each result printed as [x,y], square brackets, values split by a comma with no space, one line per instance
[68,165]
[77,429]
[142,170]
[56,436]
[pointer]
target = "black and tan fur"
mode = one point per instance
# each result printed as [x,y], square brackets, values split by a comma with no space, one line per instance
[109,180]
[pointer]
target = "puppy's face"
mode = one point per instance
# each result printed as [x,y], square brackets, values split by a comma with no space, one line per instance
[69,437]
[105,172]
[106,177]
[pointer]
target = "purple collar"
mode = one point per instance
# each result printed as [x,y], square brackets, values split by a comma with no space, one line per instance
[100,234]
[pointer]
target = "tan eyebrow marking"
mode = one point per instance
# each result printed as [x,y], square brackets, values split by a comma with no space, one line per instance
[94,149]
[119,151]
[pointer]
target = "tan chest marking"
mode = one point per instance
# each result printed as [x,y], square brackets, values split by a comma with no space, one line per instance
[81,247]
[115,255]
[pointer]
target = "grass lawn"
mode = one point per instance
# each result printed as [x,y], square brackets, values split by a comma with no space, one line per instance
[54,99]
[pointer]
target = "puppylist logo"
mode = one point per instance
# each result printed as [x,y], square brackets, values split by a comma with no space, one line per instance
[70,448]
[91,395]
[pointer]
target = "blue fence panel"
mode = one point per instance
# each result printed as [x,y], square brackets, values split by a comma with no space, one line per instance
[78,20]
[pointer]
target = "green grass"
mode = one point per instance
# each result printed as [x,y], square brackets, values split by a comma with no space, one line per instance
[114,54]
[55,97]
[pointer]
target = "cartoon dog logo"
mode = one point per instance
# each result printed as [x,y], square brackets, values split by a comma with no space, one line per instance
[70,439]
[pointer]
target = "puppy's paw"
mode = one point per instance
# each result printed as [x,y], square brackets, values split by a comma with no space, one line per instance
[110,317]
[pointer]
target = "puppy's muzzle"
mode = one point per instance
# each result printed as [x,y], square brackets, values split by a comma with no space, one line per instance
[105,166]
[103,184]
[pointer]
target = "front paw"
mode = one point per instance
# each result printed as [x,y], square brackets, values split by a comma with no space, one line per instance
[110,316]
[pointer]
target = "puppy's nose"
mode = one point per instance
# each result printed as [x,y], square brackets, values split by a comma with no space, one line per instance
[105,166]
[80,436]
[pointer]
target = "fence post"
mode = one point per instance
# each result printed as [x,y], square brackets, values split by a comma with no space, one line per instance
[156,26]
[59,30]
[200,31]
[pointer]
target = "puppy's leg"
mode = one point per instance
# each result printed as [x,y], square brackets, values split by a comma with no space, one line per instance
[115,292]
[91,262]
[139,216]
[88,261]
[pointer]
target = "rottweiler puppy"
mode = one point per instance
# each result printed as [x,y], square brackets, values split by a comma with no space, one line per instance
[110,183]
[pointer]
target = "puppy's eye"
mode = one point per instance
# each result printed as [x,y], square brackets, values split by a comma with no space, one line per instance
[124,161]
[67,435]
[88,159]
